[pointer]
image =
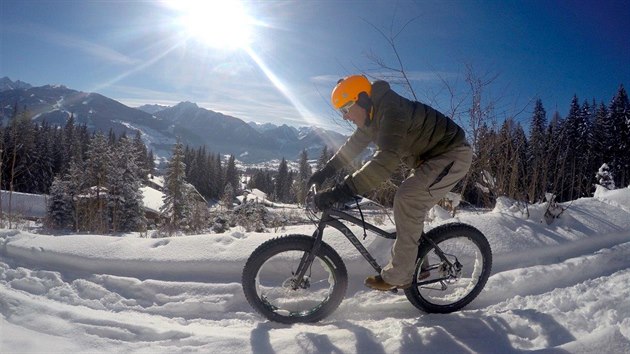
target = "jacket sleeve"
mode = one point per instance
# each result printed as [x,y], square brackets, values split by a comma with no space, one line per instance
[358,141]
[389,140]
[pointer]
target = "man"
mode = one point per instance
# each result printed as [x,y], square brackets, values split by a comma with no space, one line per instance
[429,142]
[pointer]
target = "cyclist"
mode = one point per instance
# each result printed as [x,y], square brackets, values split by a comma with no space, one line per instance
[426,140]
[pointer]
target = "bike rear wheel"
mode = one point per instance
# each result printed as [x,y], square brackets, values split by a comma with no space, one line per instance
[447,283]
[272,288]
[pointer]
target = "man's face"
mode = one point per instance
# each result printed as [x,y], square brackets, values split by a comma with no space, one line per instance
[357,115]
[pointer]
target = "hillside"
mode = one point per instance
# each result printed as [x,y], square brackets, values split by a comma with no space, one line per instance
[161,126]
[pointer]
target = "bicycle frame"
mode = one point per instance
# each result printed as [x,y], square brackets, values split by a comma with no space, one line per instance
[332,217]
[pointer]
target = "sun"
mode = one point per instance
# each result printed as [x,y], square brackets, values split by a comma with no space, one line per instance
[221,24]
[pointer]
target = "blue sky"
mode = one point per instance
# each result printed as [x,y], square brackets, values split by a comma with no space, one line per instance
[141,52]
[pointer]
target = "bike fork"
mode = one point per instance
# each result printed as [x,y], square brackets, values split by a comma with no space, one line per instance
[308,257]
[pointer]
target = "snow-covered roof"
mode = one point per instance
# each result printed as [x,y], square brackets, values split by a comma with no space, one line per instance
[152,198]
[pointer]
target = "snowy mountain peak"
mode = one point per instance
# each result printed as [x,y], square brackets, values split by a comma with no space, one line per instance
[160,125]
[7,84]
[186,105]
[152,108]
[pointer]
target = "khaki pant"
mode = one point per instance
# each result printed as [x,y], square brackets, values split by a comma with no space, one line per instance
[415,197]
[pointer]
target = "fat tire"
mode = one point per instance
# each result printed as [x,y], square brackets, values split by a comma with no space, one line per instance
[293,243]
[440,234]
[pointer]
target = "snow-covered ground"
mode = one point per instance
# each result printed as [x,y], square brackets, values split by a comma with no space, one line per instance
[554,288]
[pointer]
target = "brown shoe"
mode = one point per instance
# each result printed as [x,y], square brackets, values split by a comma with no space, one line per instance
[376,282]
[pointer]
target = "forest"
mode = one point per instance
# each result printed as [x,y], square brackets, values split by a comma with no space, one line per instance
[93,179]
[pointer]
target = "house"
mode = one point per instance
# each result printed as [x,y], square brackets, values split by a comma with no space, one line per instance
[35,206]
[25,205]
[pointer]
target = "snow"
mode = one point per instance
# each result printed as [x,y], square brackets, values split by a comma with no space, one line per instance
[153,199]
[555,288]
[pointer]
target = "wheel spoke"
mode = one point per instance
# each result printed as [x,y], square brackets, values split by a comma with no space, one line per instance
[271,286]
[457,271]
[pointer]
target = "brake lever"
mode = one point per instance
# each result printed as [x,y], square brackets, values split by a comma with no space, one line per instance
[309,201]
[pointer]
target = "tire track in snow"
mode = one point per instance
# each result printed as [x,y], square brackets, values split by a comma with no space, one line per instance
[544,278]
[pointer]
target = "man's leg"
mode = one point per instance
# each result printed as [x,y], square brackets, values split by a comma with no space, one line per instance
[415,197]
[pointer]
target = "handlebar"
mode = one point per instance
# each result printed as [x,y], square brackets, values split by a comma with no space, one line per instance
[309,201]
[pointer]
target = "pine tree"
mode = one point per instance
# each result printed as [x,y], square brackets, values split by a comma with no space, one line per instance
[142,156]
[575,151]
[72,148]
[282,186]
[587,163]
[261,180]
[44,161]
[228,196]
[20,152]
[601,136]
[209,184]
[199,177]
[56,144]
[517,186]
[97,170]
[502,163]
[304,173]
[151,162]
[125,199]
[556,150]
[176,207]
[619,146]
[75,179]
[60,205]
[232,176]
[219,180]
[536,153]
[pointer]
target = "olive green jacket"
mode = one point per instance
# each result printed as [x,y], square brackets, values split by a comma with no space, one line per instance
[402,130]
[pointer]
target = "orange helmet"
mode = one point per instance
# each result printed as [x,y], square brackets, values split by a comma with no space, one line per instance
[348,89]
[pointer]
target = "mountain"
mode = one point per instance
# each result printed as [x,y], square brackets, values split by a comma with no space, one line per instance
[152,108]
[7,84]
[162,125]
[55,104]
[262,127]
[221,133]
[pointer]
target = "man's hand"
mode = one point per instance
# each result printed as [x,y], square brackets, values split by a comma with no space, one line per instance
[320,176]
[340,193]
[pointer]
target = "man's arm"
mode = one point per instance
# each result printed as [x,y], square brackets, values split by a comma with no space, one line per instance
[358,141]
[388,156]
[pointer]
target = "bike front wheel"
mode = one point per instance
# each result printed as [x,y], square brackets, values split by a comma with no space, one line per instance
[451,270]
[271,286]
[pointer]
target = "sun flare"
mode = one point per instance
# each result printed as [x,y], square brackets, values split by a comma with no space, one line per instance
[222,24]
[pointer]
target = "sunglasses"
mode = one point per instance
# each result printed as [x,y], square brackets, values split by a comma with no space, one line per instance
[346,108]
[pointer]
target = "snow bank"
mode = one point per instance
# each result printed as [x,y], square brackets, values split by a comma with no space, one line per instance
[554,288]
